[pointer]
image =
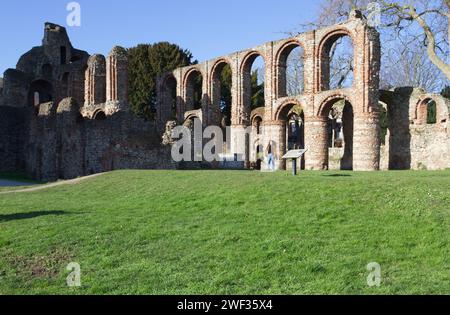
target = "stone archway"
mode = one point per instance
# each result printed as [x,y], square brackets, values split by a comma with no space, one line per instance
[99,115]
[290,119]
[221,94]
[285,66]
[169,110]
[40,92]
[426,112]
[193,84]
[250,101]
[327,51]
[337,116]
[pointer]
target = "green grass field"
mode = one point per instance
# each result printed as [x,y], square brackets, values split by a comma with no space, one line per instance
[230,232]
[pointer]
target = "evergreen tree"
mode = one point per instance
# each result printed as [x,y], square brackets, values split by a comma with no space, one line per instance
[225,93]
[146,63]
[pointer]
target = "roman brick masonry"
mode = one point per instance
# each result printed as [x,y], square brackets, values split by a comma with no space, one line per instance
[64,113]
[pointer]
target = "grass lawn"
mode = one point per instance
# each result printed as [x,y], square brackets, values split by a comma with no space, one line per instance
[230,232]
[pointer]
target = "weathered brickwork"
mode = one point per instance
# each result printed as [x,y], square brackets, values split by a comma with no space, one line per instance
[411,143]
[64,113]
[315,101]
[52,136]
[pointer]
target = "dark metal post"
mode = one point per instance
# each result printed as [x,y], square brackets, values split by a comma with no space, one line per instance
[294,167]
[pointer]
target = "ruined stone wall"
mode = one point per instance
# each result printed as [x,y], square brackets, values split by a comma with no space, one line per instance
[63,144]
[411,143]
[13,126]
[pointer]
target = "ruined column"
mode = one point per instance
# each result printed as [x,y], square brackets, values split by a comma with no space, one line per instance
[366,142]
[316,141]
[117,76]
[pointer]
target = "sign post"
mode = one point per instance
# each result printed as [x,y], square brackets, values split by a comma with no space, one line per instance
[294,155]
[294,167]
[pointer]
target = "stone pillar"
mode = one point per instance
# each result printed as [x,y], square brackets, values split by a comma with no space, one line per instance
[117,76]
[366,143]
[316,142]
[275,131]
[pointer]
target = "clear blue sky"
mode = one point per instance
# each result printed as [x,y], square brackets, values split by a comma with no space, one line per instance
[209,28]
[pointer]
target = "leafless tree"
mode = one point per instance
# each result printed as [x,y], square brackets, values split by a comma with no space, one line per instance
[294,73]
[414,34]
[410,67]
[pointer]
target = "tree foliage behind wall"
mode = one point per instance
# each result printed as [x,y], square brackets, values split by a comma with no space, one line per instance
[257,91]
[146,63]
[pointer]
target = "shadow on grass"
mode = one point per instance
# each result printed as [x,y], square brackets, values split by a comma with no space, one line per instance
[337,175]
[28,215]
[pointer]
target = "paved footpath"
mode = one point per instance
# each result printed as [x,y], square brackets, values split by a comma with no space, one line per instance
[9,183]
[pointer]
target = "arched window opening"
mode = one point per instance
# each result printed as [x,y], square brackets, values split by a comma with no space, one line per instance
[225,94]
[291,71]
[40,92]
[431,112]
[194,89]
[295,72]
[296,130]
[254,83]
[258,77]
[257,123]
[337,60]
[293,133]
[99,115]
[427,112]
[340,131]
[221,94]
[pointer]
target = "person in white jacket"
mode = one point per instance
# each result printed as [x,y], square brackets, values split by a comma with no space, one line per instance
[270,151]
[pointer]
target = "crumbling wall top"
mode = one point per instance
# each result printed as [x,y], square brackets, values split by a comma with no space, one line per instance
[68,104]
[97,62]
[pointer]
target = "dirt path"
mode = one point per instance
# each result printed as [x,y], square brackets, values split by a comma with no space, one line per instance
[46,186]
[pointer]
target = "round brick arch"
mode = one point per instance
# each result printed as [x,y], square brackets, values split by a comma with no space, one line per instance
[328,102]
[190,117]
[189,72]
[249,58]
[323,50]
[281,56]
[218,66]
[420,113]
[165,78]
[245,87]
[188,99]
[286,104]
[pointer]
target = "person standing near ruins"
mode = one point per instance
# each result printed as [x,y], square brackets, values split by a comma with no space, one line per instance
[270,157]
